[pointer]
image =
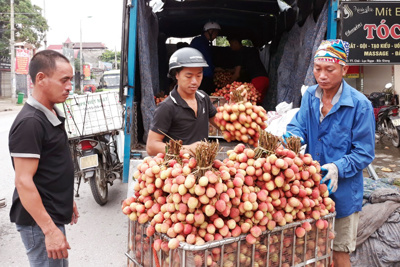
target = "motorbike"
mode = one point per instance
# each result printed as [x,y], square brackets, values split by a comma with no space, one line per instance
[97,161]
[386,115]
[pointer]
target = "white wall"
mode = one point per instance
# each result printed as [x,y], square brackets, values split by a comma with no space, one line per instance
[397,79]
[375,78]
[352,82]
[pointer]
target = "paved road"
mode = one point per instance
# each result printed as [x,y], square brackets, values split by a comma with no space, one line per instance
[387,160]
[99,238]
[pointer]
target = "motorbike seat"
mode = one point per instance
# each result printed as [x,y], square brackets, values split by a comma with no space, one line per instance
[377,99]
[386,109]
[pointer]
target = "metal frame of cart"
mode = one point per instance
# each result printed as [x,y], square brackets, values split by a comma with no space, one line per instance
[185,249]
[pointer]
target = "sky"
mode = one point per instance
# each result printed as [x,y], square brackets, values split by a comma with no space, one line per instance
[64,17]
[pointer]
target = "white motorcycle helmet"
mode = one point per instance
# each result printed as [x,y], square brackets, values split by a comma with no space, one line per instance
[211,26]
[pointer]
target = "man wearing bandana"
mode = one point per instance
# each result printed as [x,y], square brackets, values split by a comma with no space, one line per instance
[337,124]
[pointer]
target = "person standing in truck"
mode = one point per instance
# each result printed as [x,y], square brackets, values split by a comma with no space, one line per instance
[337,123]
[203,43]
[186,113]
[248,66]
[43,199]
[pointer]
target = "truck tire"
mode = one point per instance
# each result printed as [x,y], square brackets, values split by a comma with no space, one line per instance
[98,185]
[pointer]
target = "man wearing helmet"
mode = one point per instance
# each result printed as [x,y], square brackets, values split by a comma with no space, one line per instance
[185,114]
[204,45]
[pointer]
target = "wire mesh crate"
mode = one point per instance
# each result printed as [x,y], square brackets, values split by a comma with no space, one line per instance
[93,113]
[277,248]
[217,101]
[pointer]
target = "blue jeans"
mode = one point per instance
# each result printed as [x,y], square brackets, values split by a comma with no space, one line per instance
[33,239]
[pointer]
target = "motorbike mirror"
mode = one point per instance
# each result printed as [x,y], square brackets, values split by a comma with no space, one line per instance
[388,85]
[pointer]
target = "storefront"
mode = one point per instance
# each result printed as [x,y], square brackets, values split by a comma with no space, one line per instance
[373,32]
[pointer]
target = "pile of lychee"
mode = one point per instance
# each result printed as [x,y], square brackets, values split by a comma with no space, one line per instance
[253,95]
[241,122]
[222,78]
[239,195]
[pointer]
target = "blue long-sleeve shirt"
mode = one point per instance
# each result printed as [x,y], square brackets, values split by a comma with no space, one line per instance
[202,44]
[345,137]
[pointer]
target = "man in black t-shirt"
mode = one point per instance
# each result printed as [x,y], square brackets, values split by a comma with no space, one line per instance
[186,113]
[44,174]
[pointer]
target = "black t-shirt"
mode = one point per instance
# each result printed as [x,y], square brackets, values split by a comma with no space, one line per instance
[175,118]
[249,59]
[39,133]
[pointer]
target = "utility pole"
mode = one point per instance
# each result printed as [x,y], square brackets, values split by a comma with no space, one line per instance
[81,54]
[44,15]
[115,58]
[12,43]
[80,58]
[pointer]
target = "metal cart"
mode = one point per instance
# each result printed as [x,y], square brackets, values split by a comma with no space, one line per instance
[277,248]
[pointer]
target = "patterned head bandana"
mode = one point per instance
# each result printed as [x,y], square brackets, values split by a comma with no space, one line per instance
[335,51]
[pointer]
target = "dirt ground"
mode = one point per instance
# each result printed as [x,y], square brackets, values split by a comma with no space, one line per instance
[387,160]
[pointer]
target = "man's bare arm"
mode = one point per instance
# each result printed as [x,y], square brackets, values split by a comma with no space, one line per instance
[155,143]
[211,120]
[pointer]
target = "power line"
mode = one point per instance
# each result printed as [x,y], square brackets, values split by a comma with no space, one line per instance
[1,13]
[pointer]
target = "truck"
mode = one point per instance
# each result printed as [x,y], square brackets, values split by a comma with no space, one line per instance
[151,30]
[286,33]
[109,81]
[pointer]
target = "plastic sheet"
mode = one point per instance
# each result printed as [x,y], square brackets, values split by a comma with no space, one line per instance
[277,120]
[381,233]
[382,247]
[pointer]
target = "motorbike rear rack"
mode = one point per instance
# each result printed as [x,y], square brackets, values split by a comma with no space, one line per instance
[92,114]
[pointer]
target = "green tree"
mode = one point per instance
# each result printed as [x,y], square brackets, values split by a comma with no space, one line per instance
[222,41]
[247,43]
[30,26]
[109,56]
[77,64]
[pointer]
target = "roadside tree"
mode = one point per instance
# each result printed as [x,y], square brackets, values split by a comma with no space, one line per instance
[109,56]
[30,26]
